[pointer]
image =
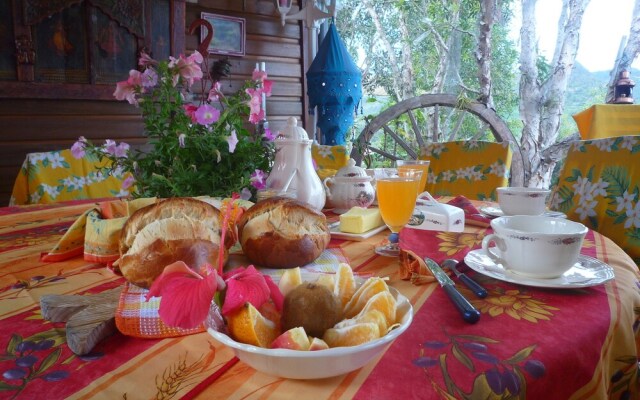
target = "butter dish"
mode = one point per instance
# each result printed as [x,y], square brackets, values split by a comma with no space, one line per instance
[431,215]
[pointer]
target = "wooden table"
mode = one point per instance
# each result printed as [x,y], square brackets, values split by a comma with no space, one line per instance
[547,343]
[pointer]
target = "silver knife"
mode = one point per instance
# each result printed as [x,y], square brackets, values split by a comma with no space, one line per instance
[466,309]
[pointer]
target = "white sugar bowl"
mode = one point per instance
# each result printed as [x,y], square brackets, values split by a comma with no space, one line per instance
[350,187]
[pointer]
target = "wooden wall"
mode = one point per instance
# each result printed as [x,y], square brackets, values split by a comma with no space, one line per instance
[32,124]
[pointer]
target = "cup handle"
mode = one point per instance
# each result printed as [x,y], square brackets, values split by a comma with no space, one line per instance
[326,186]
[499,244]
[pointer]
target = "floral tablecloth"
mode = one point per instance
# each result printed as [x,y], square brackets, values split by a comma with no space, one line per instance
[529,343]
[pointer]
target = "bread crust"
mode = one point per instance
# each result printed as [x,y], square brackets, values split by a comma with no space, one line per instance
[175,229]
[283,233]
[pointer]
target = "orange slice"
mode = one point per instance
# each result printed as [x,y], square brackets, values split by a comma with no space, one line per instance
[352,335]
[385,303]
[373,316]
[247,325]
[362,295]
[345,284]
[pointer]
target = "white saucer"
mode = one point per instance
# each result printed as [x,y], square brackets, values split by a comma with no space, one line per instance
[588,271]
[497,212]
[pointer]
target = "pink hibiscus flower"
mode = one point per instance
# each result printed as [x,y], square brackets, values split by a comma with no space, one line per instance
[186,295]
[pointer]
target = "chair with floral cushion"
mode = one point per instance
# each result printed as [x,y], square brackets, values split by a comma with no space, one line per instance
[471,168]
[56,176]
[599,186]
[329,159]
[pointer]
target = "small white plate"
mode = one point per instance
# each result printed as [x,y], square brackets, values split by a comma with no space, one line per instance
[357,237]
[588,271]
[497,212]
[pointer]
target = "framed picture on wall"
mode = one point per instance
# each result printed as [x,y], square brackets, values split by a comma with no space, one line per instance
[228,34]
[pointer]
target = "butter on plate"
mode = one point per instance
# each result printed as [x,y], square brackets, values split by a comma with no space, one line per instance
[360,220]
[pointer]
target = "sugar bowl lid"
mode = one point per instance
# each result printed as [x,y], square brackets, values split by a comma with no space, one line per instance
[352,172]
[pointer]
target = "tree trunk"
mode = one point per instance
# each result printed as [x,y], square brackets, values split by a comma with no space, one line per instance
[630,52]
[542,102]
[483,54]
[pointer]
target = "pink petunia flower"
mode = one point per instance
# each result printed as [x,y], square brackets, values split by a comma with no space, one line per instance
[126,90]
[270,136]
[258,75]
[78,148]
[186,295]
[188,68]
[128,182]
[266,87]
[255,102]
[145,60]
[215,93]
[206,114]
[258,179]
[110,146]
[232,140]
[190,110]
[121,150]
[257,117]
[149,78]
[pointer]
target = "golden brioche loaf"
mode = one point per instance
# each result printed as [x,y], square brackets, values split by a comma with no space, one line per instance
[175,229]
[282,233]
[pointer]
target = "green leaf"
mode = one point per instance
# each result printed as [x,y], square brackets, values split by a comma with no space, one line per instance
[462,357]
[521,355]
[618,179]
[13,343]
[49,361]
[5,387]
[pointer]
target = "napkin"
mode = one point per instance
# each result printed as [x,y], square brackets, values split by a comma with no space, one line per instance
[95,234]
[415,244]
[471,214]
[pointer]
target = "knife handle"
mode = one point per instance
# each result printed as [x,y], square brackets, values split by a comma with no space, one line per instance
[473,285]
[468,311]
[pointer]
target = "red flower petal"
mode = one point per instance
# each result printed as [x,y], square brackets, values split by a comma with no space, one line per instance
[246,285]
[186,296]
[276,294]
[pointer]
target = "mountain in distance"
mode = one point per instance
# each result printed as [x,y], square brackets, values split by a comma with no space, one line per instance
[586,88]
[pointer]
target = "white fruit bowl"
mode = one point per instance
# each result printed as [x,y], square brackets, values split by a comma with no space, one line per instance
[295,364]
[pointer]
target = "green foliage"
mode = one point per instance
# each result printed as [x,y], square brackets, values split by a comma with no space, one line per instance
[185,157]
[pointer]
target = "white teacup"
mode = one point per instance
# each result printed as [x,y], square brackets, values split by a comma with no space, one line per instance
[540,247]
[522,200]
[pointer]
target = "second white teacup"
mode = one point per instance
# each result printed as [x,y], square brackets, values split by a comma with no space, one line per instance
[540,247]
[522,200]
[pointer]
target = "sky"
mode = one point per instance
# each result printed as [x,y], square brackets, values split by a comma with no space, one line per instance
[604,24]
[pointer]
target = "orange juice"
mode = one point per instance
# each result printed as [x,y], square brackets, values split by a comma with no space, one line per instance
[418,165]
[396,200]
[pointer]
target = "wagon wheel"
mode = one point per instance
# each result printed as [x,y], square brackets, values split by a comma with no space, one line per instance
[401,130]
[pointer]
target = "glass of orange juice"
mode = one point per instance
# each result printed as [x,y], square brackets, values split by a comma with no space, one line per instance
[421,165]
[397,191]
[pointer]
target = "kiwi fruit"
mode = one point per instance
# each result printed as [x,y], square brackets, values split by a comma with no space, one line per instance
[313,307]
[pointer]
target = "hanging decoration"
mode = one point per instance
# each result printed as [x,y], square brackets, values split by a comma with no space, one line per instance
[335,86]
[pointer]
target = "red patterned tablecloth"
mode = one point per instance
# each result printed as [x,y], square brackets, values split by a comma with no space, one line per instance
[529,343]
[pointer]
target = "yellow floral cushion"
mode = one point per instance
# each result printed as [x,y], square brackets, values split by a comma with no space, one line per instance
[470,168]
[599,186]
[329,159]
[56,176]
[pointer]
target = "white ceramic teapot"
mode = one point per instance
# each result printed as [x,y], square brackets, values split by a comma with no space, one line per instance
[350,187]
[293,167]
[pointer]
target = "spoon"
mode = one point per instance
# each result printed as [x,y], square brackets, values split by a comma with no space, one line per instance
[470,283]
